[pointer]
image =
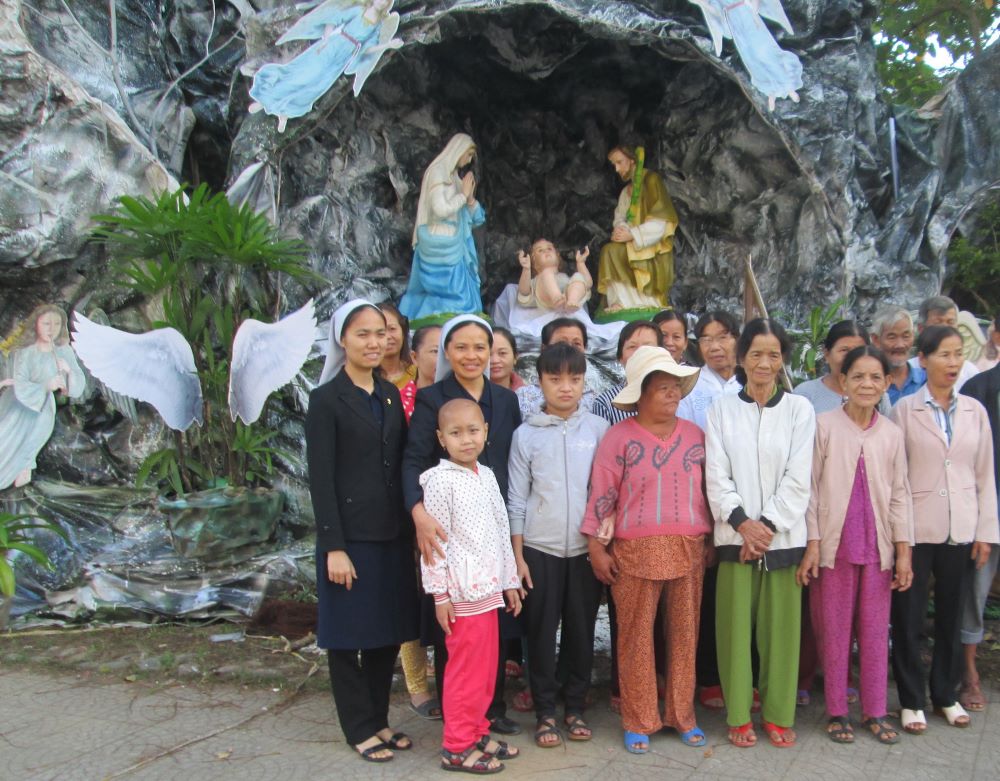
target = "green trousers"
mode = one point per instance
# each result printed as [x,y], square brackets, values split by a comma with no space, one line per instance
[752,602]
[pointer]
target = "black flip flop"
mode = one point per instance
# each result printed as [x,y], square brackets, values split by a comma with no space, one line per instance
[368,754]
[397,738]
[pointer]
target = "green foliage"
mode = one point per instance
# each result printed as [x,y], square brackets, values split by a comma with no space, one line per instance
[14,537]
[209,265]
[974,263]
[910,31]
[808,338]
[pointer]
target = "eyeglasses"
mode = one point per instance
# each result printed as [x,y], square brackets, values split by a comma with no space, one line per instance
[708,341]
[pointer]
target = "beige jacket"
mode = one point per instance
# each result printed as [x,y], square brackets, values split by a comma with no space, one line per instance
[838,446]
[952,486]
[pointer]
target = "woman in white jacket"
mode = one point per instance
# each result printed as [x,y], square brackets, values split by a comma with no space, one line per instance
[759,457]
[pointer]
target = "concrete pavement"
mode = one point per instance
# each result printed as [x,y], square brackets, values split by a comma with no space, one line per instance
[68,727]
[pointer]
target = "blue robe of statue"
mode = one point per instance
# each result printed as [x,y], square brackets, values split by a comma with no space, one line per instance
[445,273]
[290,89]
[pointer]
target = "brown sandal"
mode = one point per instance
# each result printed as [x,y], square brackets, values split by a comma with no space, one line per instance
[545,727]
[882,729]
[577,728]
[971,697]
[481,766]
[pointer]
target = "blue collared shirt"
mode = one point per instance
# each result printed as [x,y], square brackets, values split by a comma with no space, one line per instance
[914,379]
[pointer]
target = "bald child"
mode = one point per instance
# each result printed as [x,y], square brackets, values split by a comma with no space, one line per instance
[469,585]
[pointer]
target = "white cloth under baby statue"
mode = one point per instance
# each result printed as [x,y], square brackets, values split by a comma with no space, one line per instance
[526,323]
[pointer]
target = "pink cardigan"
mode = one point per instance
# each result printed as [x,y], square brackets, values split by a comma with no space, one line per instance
[838,446]
[953,486]
[649,486]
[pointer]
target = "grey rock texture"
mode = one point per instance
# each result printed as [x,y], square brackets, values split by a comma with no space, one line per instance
[546,88]
[67,152]
[91,111]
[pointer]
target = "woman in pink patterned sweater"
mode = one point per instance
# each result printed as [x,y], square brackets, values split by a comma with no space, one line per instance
[648,521]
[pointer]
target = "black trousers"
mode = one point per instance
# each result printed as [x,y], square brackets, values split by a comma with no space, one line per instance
[952,569]
[361,682]
[498,708]
[706,661]
[566,591]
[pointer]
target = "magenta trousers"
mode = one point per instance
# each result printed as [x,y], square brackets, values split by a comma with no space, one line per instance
[858,596]
[469,678]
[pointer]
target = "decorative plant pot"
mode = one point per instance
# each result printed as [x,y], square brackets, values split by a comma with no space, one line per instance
[213,524]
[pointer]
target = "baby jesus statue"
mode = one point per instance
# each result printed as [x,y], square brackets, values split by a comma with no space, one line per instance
[550,288]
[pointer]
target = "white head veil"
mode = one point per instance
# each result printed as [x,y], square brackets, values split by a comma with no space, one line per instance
[440,172]
[443,368]
[336,357]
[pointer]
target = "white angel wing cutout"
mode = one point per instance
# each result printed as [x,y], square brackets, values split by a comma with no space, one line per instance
[313,25]
[267,356]
[124,404]
[156,367]
[362,66]
[772,9]
[716,22]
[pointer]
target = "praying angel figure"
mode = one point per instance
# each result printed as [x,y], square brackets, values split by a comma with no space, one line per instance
[775,72]
[350,37]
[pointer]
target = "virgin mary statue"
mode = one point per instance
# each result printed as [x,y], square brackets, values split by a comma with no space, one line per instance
[444,277]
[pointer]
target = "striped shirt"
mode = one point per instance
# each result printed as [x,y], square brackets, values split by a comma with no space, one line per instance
[945,419]
[603,407]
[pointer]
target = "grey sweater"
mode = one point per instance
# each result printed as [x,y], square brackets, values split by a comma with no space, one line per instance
[549,472]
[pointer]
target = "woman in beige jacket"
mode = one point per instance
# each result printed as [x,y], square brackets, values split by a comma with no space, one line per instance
[949,451]
[857,536]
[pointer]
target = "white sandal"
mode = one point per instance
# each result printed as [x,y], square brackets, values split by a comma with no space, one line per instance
[953,713]
[910,720]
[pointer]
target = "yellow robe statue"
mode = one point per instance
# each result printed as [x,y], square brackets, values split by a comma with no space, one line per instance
[638,274]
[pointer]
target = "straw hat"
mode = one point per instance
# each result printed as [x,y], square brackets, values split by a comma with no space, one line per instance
[645,361]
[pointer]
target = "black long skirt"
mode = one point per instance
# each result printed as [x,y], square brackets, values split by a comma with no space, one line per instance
[383,606]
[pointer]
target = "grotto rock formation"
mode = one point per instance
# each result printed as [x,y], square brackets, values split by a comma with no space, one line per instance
[544,88]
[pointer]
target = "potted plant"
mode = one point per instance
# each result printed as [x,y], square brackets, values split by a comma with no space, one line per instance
[15,538]
[205,266]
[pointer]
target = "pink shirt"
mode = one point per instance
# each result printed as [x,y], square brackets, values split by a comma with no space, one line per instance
[648,485]
[859,538]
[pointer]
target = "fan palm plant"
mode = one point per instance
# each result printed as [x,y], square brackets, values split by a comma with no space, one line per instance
[208,265]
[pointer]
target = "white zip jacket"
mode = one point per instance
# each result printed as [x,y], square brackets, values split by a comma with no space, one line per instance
[549,475]
[759,466]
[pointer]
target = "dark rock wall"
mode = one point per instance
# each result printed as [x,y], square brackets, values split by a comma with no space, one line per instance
[544,88]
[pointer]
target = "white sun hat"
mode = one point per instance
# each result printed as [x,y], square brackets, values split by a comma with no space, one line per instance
[646,360]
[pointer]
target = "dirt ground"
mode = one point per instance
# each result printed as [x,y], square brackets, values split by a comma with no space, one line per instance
[276,651]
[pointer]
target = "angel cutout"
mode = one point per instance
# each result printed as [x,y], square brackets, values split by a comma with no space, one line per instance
[43,365]
[158,367]
[775,72]
[350,38]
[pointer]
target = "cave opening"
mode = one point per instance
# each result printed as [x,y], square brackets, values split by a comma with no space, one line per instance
[545,99]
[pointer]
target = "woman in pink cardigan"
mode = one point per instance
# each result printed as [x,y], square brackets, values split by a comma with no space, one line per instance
[854,538]
[949,451]
[647,519]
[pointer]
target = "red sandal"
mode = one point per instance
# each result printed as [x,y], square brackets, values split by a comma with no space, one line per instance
[780,737]
[743,736]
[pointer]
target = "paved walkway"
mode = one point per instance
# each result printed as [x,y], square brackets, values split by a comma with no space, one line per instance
[66,727]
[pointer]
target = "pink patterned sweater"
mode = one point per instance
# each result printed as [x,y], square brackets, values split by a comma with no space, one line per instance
[648,486]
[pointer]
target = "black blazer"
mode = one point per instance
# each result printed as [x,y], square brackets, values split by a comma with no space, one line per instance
[423,450]
[985,388]
[354,467]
